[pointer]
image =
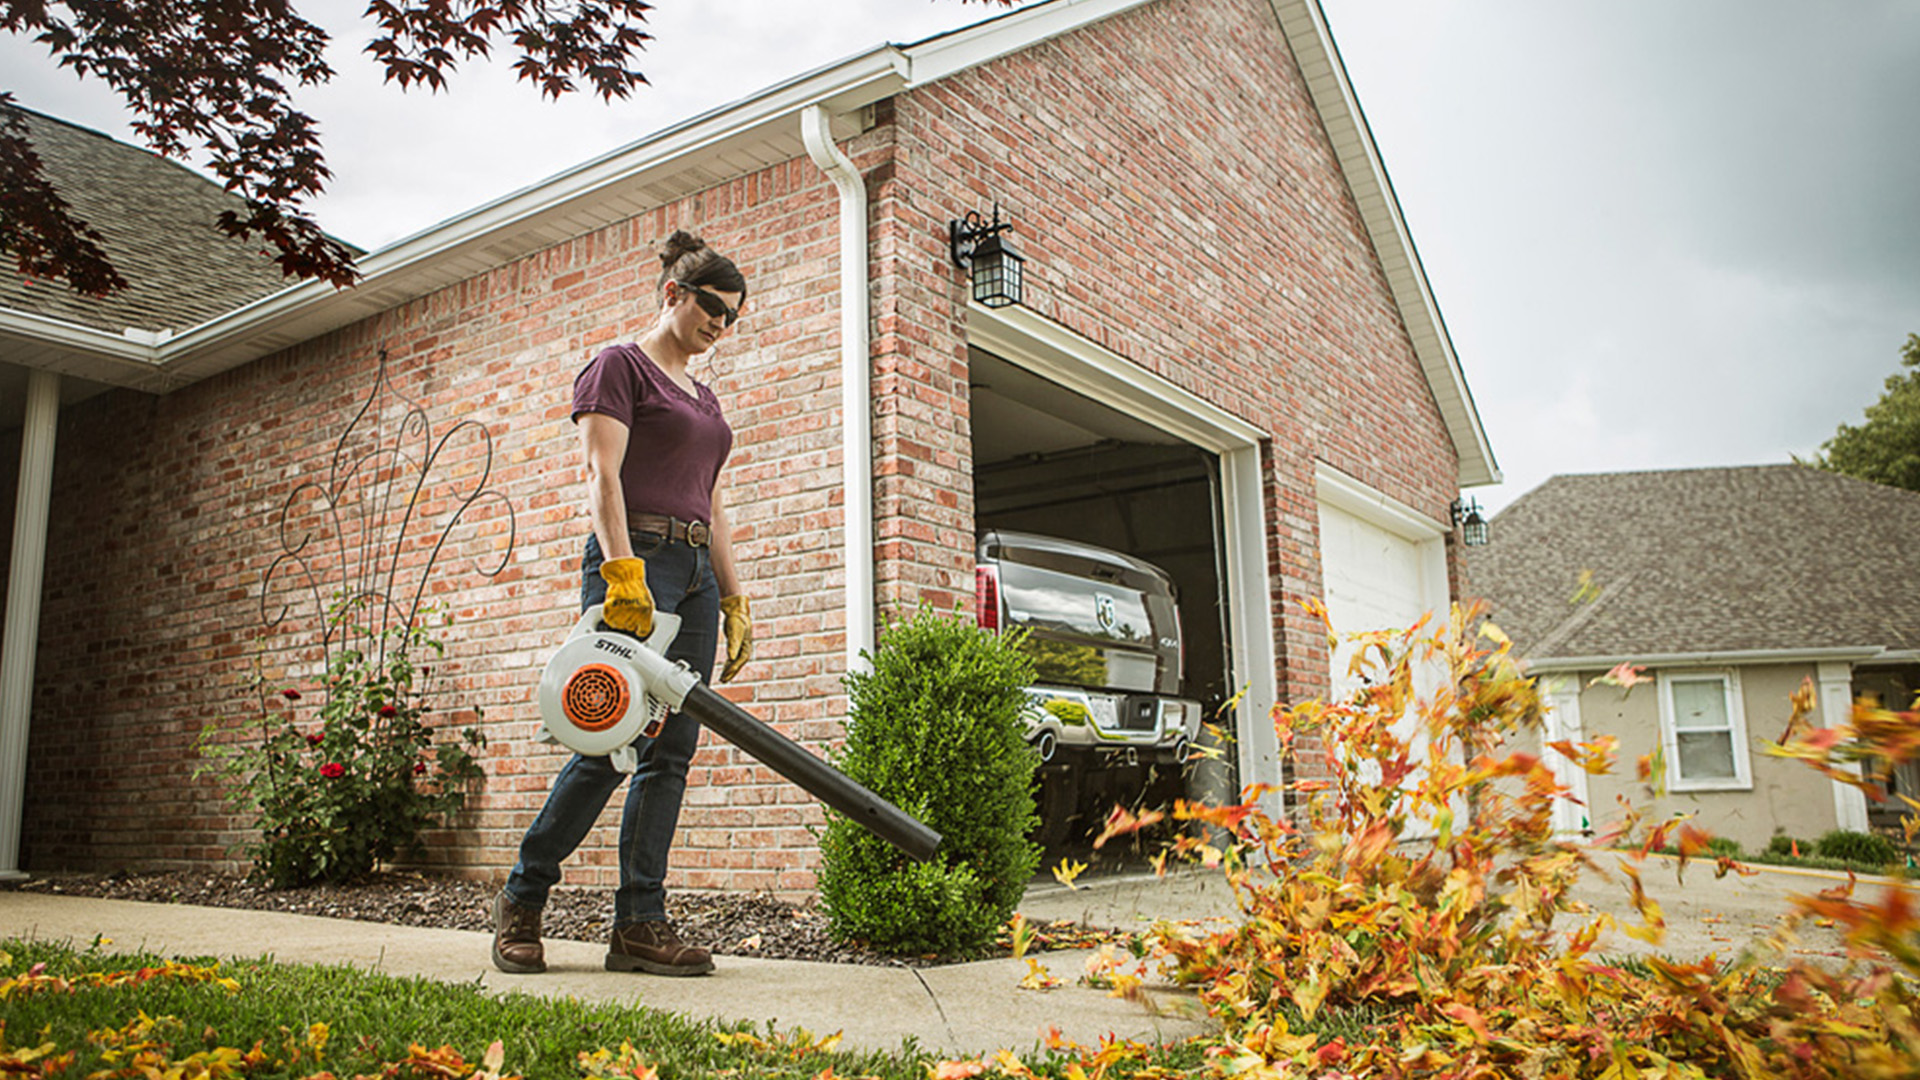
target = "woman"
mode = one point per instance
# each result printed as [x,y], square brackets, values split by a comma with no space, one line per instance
[654,441]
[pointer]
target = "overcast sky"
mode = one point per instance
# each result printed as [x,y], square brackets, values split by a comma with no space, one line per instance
[1661,234]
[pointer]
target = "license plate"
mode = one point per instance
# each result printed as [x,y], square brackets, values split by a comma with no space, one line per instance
[1105,712]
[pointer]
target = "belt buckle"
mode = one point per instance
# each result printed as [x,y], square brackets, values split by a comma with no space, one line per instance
[699,534]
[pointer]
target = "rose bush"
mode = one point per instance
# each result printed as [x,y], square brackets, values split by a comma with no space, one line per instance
[334,794]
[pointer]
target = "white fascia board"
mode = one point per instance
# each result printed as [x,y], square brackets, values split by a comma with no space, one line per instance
[1896,656]
[944,55]
[1538,665]
[129,359]
[1305,26]
[848,85]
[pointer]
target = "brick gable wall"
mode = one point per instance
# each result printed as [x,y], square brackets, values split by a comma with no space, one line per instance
[1180,206]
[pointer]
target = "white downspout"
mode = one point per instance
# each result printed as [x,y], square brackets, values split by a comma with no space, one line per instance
[856,399]
[26,573]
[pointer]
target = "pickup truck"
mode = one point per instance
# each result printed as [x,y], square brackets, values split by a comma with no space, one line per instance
[1104,633]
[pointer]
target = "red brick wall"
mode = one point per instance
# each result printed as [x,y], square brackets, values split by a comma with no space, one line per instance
[165,521]
[1179,205]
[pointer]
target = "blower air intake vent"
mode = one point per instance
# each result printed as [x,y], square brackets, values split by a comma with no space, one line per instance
[595,698]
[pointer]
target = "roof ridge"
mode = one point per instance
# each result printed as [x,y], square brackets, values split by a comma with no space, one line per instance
[1582,614]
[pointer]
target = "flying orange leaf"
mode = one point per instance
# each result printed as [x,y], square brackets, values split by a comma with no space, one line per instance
[1121,822]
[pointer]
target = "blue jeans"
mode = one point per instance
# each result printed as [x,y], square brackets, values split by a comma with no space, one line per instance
[681,580]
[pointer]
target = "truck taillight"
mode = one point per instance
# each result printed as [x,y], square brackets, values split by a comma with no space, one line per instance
[986,596]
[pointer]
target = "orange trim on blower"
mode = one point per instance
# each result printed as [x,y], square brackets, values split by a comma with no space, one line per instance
[595,697]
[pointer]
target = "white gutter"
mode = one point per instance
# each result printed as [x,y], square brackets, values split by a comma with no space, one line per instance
[1846,653]
[26,574]
[856,397]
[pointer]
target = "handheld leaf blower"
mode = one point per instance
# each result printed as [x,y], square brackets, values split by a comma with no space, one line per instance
[601,690]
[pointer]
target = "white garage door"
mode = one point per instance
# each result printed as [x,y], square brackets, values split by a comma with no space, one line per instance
[1373,579]
[1382,564]
[1383,567]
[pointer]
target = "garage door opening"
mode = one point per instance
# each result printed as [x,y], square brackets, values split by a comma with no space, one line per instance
[1054,463]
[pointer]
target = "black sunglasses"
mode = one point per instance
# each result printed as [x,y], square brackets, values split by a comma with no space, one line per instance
[711,304]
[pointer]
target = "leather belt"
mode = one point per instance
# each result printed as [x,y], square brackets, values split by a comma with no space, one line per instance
[691,533]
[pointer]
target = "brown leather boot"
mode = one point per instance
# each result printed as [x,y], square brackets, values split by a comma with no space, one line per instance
[516,938]
[653,947]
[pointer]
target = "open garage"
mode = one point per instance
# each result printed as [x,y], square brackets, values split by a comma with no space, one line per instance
[1055,462]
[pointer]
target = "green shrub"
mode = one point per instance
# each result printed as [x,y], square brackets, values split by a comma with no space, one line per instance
[1867,848]
[335,795]
[1717,846]
[936,728]
[1787,846]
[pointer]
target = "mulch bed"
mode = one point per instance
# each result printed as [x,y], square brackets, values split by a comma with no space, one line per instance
[733,924]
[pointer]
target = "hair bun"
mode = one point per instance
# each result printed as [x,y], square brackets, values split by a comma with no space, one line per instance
[681,243]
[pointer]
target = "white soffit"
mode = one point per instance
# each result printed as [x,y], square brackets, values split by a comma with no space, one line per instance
[1729,658]
[1305,26]
[729,141]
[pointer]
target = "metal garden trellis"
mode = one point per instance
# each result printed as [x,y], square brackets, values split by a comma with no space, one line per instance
[391,482]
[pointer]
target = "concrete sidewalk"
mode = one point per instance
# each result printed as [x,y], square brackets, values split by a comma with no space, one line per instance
[960,1009]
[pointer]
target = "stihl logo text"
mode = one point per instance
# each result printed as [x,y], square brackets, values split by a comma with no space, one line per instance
[613,647]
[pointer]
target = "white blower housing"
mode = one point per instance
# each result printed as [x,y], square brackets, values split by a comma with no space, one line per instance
[602,690]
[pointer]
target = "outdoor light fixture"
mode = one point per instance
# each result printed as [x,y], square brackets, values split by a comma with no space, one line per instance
[977,243]
[1473,527]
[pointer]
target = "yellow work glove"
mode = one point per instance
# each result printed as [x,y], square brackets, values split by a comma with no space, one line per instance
[738,625]
[629,604]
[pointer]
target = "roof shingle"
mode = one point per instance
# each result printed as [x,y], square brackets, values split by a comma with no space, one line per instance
[1704,560]
[157,218]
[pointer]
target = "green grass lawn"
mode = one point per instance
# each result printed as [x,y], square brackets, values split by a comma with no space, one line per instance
[70,1012]
[370,1022]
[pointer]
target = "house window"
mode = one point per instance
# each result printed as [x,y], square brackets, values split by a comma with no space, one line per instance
[1705,732]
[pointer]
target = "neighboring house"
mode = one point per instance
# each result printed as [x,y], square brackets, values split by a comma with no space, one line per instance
[1732,587]
[1227,361]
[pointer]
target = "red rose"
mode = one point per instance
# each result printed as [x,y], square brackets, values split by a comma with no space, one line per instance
[389,711]
[333,770]
[290,694]
[313,739]
[419,767]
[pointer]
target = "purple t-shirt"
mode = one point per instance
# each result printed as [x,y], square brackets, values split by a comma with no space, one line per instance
[676,442]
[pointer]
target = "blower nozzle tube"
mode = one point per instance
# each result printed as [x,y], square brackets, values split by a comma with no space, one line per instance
[816,777]
[601,691]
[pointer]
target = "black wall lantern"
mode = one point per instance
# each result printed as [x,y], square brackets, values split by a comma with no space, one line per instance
[1473,527]
[995,264]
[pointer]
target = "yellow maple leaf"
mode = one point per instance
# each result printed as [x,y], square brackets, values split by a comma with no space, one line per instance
[1623,675]
[1037,977]
[1067,871]
[1009,1065]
